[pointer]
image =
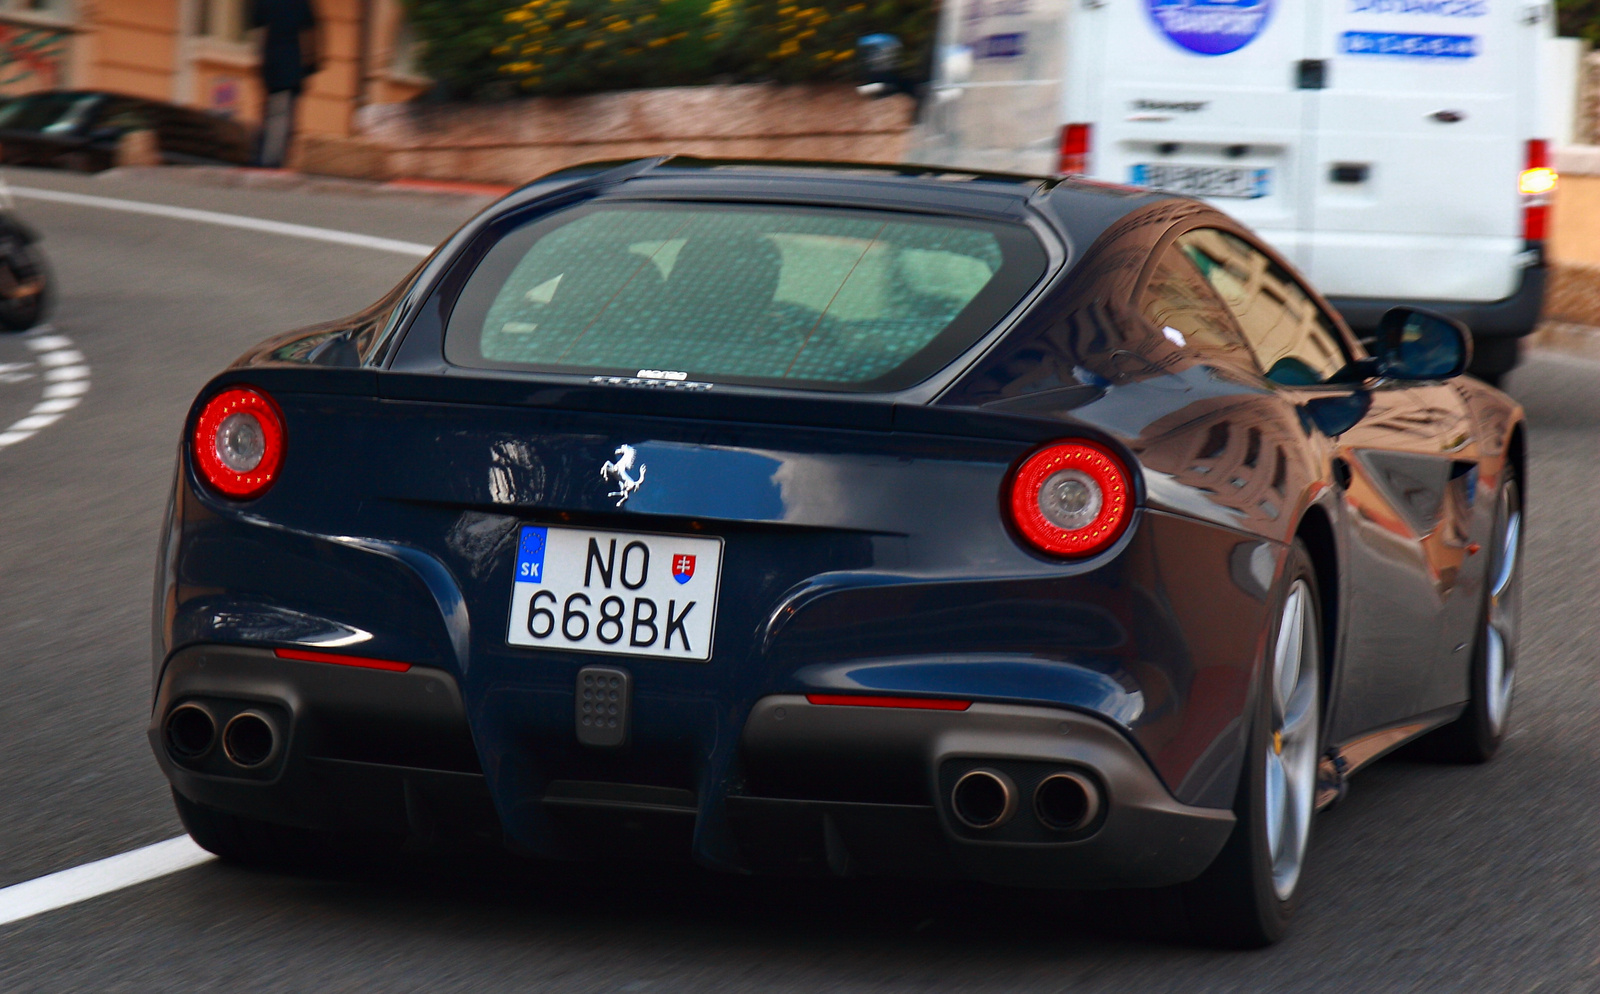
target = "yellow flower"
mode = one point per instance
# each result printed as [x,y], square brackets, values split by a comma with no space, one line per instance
[846,54]
[657,42]
[619,26]
[574,25]
[802,36]
[593,44]
[519,15]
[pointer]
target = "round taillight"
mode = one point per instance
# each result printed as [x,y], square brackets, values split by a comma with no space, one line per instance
[238,442]
[1071,499]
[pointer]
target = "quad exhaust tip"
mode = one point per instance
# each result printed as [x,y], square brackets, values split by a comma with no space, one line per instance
[1067,802]
[250,740]
[983,799]
[190,731]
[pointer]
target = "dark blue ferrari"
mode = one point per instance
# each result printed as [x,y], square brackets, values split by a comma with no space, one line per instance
[830,518]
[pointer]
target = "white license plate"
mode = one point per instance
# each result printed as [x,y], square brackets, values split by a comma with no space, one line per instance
[618,592]
[1205,181]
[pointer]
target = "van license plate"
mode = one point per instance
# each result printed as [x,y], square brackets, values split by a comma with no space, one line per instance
[623,593]
[1205,181]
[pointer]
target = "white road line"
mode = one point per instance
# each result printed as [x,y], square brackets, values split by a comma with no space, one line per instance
[67,378]
[58,890]
[225,220]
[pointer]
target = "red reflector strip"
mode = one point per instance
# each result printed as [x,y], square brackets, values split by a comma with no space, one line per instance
[364,662]
[861,701]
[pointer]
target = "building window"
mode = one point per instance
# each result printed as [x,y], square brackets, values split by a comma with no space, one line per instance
[223,20]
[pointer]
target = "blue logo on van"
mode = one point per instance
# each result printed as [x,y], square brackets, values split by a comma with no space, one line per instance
[1211,27]
[1409,46]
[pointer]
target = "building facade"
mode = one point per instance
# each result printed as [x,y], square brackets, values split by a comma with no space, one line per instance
[198,53]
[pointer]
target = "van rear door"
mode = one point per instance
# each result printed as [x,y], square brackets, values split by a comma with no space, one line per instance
[996,86]
[1420,135]
[1201,96]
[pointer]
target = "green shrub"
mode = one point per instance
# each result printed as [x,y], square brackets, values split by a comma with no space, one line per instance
[456,38]
[1579,18]
[576,46]
[488,49]
[798,41]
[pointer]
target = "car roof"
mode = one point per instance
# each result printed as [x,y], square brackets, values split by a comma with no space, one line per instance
[1081,209]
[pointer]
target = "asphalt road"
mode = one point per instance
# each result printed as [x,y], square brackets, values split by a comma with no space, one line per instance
[1426,878]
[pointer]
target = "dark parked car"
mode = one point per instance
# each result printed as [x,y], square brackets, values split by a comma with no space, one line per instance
[81,129]
[838,519]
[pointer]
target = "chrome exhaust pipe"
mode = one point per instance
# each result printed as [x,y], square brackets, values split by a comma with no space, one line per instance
[983,799]
[1067,802]
[250,740]
[189,731]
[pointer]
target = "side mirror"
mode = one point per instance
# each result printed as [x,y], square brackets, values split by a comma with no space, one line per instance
[1415,344]
[1333,416]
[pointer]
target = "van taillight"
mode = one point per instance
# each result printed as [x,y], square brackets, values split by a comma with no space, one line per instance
[1071,499]
[1536,184]
[1075,147]
[238,443]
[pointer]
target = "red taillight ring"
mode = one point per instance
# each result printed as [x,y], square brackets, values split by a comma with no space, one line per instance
[254,441]
[1074,464]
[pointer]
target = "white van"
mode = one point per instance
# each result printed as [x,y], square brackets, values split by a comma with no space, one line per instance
[1389,147]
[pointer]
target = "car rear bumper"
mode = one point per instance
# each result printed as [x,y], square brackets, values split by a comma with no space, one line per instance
[1513,317]
[1141,837]
[849,790]
[361,750]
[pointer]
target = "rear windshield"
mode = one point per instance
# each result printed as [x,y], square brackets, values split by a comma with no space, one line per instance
[843,300]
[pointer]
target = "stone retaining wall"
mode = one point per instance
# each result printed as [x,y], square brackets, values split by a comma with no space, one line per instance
[515,142]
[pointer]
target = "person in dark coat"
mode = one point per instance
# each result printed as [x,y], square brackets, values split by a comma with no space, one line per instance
[288,39]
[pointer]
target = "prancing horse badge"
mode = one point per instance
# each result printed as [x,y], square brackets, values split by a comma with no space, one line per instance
[616,471]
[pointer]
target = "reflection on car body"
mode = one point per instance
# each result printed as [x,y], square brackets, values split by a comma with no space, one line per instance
[1010,582]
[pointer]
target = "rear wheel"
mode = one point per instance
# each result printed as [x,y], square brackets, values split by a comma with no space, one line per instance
[1475,736]
[1247,897]
[24,286]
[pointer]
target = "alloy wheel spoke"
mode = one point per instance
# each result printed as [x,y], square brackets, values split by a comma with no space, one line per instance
[1292,758]
[1277,796]
[1508,556]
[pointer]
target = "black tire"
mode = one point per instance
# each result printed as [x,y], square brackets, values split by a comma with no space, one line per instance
[1476,736]
[1238,902]
[26,287]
